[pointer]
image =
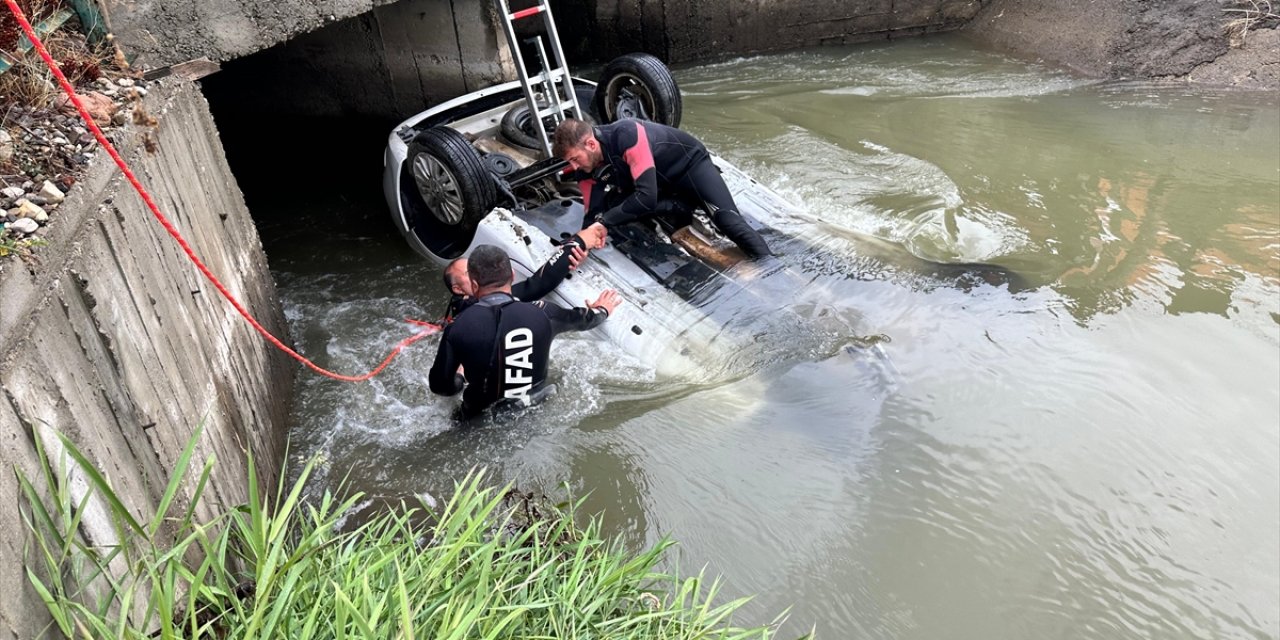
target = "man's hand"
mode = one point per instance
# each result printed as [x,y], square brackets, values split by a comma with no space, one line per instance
[576,256]
[608,300]
[594,235]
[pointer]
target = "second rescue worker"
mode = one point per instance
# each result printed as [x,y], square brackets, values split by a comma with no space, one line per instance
[632,169]
[498,347]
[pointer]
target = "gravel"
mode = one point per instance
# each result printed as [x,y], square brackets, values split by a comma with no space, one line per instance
[44,151]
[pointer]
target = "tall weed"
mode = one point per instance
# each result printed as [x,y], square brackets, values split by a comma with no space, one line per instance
[480,567]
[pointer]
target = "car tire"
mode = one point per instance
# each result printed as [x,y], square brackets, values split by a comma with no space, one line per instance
[450,177]
[517,123]
[638,85]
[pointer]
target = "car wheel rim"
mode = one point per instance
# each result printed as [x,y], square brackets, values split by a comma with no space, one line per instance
[438,187]
[628,97]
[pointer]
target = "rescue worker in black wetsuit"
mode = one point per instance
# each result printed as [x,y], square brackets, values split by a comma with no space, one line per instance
[543,281]
[498,347]
[632,169]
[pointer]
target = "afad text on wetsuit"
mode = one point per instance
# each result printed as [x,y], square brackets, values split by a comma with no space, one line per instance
[519,367]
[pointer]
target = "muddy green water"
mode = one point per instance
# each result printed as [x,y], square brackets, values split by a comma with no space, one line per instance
[1095,457]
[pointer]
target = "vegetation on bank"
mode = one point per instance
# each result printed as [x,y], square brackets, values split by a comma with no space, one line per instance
[42,138]
[11,245]
[1247,15]
[488,564]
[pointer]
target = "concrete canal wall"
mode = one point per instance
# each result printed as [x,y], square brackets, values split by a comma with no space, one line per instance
[114,339]
[683,30]
[388,63]
[328,58]
[389,60]
[156,33]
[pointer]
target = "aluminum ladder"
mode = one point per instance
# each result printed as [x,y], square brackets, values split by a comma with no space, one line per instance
[553,85]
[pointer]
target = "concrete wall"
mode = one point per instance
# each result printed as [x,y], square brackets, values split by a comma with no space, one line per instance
[389,63]
[114,339]
[435,50]
[416,31]
[682,30]
[164,32]
[395,59]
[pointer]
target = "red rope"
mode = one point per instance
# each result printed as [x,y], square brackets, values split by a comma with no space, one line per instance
[146,197]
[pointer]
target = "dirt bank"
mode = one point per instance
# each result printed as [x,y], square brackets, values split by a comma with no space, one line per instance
[1197,40]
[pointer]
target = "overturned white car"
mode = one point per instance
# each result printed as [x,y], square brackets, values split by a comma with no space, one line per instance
[477,170]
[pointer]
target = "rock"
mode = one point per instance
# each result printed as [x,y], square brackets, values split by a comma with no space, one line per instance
[51,193]
[100,107]
[119,118]
[13,192]
[125,82]
[24,225]
[27,209]
[61,141]
[6,146]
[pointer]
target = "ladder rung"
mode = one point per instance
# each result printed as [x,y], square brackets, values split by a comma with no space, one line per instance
[552,75]
[564,106]
[525,13]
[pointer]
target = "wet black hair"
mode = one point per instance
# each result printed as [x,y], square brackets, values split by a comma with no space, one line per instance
[489,266]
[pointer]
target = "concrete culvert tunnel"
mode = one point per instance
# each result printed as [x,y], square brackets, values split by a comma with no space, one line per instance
[304,123]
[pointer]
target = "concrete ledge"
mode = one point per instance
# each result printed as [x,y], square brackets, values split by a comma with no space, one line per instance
[114,338]
[163,33]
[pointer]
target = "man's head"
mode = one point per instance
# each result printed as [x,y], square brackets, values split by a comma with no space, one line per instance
[489,269]
[575,142]
[456,279]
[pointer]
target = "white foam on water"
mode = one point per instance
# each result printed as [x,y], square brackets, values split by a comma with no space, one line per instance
[880,192]
[851,91]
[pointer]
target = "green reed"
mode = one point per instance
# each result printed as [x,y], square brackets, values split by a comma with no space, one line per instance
[489,564]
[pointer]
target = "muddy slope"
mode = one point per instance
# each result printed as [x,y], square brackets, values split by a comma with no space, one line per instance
[1134,39]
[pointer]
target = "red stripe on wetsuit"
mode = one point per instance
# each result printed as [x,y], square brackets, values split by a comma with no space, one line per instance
[638,157]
